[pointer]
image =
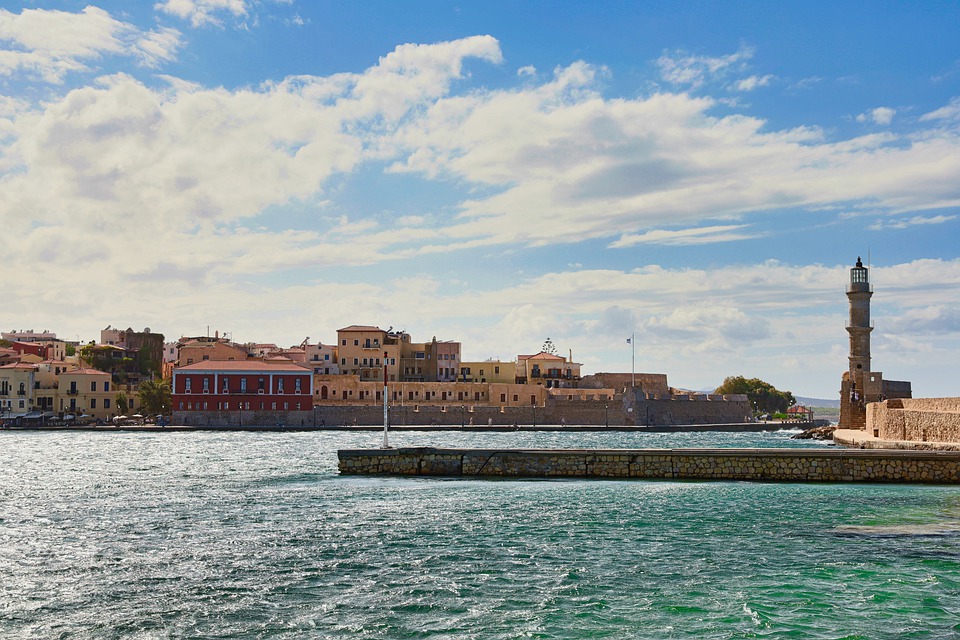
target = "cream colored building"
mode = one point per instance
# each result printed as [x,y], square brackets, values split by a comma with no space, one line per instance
[547,369]
[493,371]
[88,392]
[322,358]
[362,348]
[17,382]
[199,349]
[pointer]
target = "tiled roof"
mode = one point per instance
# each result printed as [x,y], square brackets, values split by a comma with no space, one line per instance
[18,365]
[85,372]
[543,355]
[359,327]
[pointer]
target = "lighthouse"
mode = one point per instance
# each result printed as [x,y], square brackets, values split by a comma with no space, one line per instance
[860,385]
[859,293]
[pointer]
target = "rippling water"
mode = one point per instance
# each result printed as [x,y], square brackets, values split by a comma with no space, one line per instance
[254,535]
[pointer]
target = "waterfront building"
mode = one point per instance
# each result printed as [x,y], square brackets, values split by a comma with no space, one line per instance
[88,392]
[547,369]
[362,348]
[322,358]
[199,349]
[17,381]
[272,393]
[447,359]
[493,371]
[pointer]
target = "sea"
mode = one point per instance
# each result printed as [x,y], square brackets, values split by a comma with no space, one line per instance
[256,535]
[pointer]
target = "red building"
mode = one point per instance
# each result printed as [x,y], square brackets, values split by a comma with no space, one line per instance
[270,391]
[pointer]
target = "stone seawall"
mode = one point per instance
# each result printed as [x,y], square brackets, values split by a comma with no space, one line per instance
[915,419]
[790,465]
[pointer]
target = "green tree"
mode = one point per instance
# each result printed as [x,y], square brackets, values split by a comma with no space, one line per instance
[123,405]
[155,396]
[6,344]
[549,347]
[764,397]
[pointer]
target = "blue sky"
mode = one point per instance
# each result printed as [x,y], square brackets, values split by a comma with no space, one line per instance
[701,175]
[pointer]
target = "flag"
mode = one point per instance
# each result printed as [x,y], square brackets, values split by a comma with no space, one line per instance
[629,340]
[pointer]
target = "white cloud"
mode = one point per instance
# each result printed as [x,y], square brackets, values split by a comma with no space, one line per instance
[528,70]
[682,68]
[903,223]
[949,112]
[751,83]
[684,237]
[51,44]
[880,115]
[202,12]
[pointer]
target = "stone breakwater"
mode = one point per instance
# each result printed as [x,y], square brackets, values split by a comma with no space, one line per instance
[789,465]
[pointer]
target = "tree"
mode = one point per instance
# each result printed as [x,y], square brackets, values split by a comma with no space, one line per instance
[764,397]
[548,347]
[155,396]
[122,404]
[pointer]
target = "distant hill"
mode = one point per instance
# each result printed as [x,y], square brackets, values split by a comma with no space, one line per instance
[818,402]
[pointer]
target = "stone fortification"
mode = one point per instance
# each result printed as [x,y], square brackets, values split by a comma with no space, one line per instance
[649,383]
[915,419]
[791,465]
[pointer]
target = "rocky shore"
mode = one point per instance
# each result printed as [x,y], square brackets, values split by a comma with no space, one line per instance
[816,433]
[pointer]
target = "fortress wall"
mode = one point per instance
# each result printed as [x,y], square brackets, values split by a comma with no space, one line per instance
[691,410]
[619,411]
[647,382]
[790,465]
[915,419]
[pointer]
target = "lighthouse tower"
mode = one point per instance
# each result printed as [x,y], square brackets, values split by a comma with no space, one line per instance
[859,293]
[859,385]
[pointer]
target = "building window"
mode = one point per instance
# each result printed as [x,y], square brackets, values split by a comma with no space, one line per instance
[286,406]
[279,385]
[226,385]
[106,403]
[206,385]
[93,403]
[356,343]
[106,386]
[93,385]
[243,385]
[296,387]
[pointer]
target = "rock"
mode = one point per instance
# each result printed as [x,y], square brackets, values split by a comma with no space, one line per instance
[816,433]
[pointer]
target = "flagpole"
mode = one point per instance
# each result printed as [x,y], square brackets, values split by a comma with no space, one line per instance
[633,360]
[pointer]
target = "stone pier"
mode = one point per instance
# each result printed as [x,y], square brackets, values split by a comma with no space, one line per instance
[788,465]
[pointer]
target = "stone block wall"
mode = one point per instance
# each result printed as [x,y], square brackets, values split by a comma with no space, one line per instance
[791,465]
[915,419]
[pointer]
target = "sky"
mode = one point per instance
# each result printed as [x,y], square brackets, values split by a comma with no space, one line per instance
[699,176]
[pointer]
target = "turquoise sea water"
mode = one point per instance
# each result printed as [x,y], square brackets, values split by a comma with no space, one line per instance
[254,535]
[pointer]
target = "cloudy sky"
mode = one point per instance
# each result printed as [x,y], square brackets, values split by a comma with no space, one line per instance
[700,175]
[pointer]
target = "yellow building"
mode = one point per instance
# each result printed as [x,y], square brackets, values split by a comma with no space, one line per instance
[86,392]
[361,350]
[493,371]
[548,370]
[17,382]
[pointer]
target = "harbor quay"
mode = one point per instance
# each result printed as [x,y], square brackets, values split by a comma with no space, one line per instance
[787,465]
